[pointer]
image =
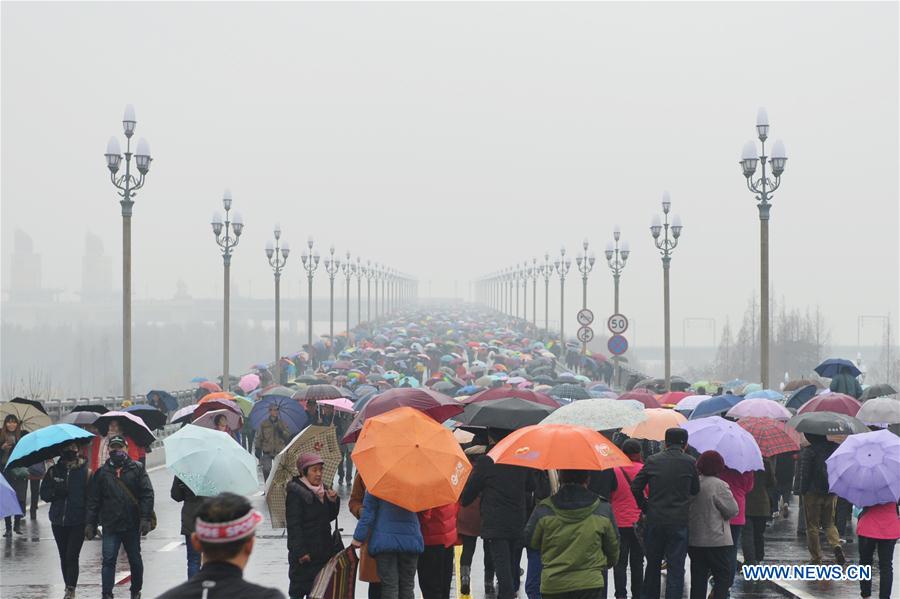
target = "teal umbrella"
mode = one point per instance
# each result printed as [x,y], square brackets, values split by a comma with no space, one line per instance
[210,462]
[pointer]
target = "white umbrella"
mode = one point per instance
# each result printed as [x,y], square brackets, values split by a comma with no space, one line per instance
[597,414]
[210,462]
[881,410]
[690,402]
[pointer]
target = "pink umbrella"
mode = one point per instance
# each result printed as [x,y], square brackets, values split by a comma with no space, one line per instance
[341,404]
[760,408]
[249,382]
[208,420]
[185,414]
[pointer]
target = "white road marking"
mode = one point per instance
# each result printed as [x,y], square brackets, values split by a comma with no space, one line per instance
[801,594]
[170,547]
[126,577]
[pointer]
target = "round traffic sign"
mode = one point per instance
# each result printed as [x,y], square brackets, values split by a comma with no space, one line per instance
[617,324]
[617,345]
[585,334]
[585,317]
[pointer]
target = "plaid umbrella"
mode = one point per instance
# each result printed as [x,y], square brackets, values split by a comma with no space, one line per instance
[770,435]
[318,392]
[569,391]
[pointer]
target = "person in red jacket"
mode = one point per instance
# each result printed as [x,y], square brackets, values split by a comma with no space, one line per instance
[740,484]
[435,566]
[627,512]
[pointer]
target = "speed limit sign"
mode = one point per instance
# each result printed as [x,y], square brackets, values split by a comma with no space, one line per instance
[617,324]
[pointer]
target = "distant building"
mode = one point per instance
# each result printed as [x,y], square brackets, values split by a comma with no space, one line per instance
[25,271]
[96,271]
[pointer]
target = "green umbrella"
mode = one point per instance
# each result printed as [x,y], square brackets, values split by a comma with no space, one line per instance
[244,403]
[210,462]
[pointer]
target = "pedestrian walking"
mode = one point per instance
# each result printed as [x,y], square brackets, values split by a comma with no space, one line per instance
[878,529]
[310,507]
[503,490]
[468,525]
[784,482]
[575,532]
[345,466]
[818,502]
[225,536]
[65,488]
[395,541]
[758,512]
[844,382]
[273,436]
[710,531]
[16,477]
[740,484]
[368,569]
[627,513]
[190,504]
[435,566]
[120,497]
[670,479]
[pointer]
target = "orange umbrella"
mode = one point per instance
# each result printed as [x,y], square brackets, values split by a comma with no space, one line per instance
[558,447]
[408,459]
[654,427]
[215,396]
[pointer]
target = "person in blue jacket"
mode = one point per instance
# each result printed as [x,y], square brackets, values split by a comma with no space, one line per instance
[395,541]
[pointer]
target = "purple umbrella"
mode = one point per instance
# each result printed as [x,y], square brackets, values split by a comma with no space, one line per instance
[865,469]
[760,408]
[737,446]
[9,504]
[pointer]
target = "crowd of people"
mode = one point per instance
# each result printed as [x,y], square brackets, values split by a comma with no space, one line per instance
[583,534]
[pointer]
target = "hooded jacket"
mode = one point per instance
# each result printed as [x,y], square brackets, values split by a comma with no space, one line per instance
[388,527]
[577,537]
[66,489]
[813,471]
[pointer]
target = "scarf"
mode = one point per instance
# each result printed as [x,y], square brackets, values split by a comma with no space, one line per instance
[319,490]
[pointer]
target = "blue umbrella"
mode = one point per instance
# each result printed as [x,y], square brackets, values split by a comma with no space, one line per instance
[734,384]
[289,412]
[199,379]
[168,400]
[832,366]
[765,394]
[800,396]
[469,390]
[45,443]
[715,406]
[9,503]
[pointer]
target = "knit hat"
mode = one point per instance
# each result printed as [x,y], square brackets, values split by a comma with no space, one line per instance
[710,463]
[676,436]
[308,459]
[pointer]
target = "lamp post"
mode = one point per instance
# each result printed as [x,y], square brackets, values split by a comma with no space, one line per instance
[547,271]
[533,273]
[376,275]
[359,270]
[348,268]
[332,268]
[585,264]
[277,253]
[126,186]
[666,243]
[616,258]
[310,262]
[562,266]
[370,274]
[523,276]
[762,188]
[227,234]
[514,277]
[510,279]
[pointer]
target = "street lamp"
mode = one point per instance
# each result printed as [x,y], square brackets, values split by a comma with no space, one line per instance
[348,268]
[533,273]
[360,272]
[616,258]
[126,186]
[370,274]
[547,271]
[277,253]
[227,234]
[762,188]
[332,267]
[585,263]
[562,266]
[666,243]
[310,262]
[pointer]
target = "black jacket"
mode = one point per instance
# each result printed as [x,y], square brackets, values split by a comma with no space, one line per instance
[504,491]
[110,505]
[66,491]
[309,523]
[813,471]
[181,493]
[673,480]
[220,580]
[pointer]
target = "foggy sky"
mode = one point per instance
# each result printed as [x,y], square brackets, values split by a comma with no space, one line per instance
[449,140]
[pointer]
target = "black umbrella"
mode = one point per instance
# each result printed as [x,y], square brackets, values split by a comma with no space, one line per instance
[96,408]
[151,416]
[800,396]
[877,391]
[29,402]
[827,423]
[508,414]
[167,400]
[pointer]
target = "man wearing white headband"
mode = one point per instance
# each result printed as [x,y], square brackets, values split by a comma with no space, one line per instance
[224,535]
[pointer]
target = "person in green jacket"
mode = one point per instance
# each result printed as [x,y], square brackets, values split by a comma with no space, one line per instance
[576,534]
[845,382]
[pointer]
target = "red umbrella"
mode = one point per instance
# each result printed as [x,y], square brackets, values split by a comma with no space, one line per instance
[507,392]
[831,402]
[436,405]
[645,398]
[673,397]
[770,435]
[210,386]
[217,404]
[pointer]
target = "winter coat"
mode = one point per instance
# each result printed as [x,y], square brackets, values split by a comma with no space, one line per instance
[110,505]
[272,437]
[671,476]
[710,511]
[813,471]
[879,522]
[388,528]
[438,525]
[368,569]
[309,522]
[220,580]
[740,484]
[785,467]
[503,490]
[182,493]
[66,490]
[847,384]
[577,537]
[468,520]
[758,502]
[623,504]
